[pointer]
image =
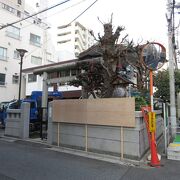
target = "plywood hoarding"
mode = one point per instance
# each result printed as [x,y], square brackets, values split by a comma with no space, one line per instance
[110,111]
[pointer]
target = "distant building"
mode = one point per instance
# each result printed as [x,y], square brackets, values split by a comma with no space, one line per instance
[58,74]
[30,34]
[73,39]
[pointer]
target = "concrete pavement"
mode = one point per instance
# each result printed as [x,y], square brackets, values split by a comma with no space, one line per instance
[25,160]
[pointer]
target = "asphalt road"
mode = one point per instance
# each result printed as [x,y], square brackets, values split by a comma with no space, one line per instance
[20,160]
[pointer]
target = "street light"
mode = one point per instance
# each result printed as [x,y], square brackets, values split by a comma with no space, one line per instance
[21,53]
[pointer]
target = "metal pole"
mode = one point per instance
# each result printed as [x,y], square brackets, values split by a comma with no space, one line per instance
[20,76]
[171,71]
[21,53]
[151,89]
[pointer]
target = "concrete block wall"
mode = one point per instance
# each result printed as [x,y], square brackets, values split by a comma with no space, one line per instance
[13,125]
[71,135]
[17,122]
[104,139]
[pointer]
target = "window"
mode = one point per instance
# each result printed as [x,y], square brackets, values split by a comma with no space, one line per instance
[36,60]
[11,10]
[35,40]
[65,73]
[73,72]
[49,56]
[18,13]
[3,53]
[19,2]
[16,55]
[53,75]
[15,79]
[32,78]
[8,8]
[2,79]
[13,32]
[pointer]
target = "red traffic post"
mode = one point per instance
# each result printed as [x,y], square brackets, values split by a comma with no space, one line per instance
[155,162]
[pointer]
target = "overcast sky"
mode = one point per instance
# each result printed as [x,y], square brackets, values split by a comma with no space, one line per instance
[144,20]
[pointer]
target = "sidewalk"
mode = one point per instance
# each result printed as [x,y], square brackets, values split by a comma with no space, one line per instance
[102,157]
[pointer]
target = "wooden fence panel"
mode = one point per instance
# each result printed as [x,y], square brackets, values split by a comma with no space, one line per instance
[110,111]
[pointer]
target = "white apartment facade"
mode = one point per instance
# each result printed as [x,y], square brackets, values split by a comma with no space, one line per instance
[31,35]
[73,39]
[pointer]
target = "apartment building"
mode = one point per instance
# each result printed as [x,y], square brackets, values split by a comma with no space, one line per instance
[31,35]
[73,39]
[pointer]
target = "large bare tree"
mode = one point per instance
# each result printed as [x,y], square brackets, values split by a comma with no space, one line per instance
[119,57]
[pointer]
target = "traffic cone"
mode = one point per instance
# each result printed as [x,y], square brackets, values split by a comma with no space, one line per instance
[155,162]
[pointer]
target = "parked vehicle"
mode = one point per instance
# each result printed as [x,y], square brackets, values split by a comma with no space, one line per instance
[3,106]
[35,101]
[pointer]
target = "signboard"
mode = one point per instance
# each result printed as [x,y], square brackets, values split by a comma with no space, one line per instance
[152,121]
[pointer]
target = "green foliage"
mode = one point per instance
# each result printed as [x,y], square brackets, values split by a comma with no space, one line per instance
[161,82]
[139,102]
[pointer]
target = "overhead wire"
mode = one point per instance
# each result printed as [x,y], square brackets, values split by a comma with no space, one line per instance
[70,22]
[83,12]
[45,18]
[56,13]
[28,54]
[44,10]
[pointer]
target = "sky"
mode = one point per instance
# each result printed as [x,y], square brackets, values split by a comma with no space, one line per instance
[144,20]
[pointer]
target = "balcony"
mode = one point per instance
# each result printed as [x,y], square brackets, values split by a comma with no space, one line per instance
[13,35]
[64,41]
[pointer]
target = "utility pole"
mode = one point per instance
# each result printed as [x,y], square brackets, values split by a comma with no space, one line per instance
[170,19]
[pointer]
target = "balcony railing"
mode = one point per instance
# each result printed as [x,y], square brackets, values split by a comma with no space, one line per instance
[12,35]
